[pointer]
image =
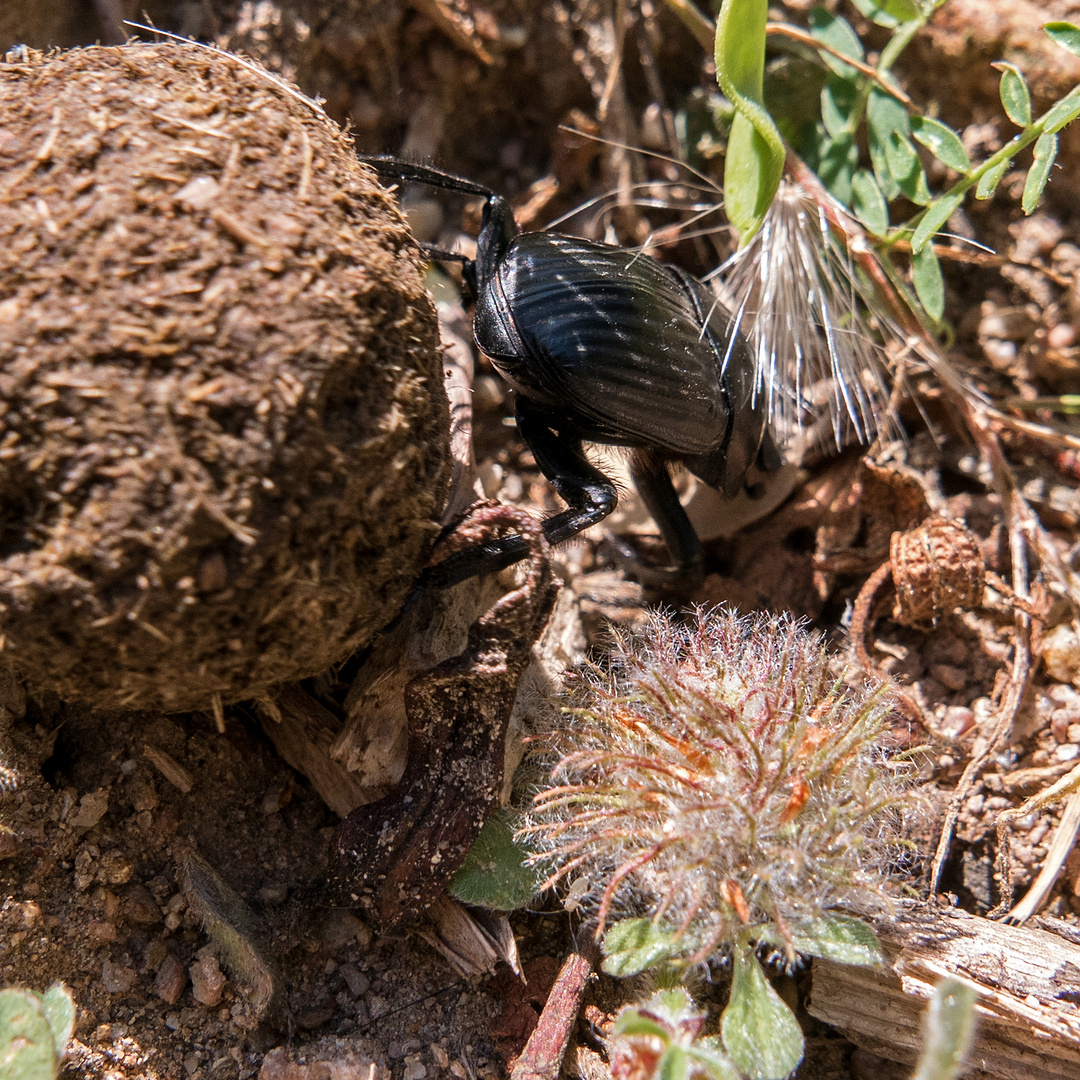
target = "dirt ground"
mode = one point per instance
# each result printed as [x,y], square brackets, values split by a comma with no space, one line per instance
[100,809]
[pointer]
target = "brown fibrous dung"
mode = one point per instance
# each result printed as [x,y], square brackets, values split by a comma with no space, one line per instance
[222,425]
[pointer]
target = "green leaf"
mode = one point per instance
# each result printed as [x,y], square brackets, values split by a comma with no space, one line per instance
[884,115]
[1046,148]
[836,32]
[948,1028]
[754,162]
[27,1046]
[631,1022]
[839,98]
[906,168]
[868,202]
[942,142]
[937,213]
[633,945]
[708,1055]
[1064,112]
[888,13]
[1065,34]
[990,179]
[673,1065]
[929,284]
[59,1010]
[840,938]
[760,1034]
[837,165]
[494,874]
[1015,96]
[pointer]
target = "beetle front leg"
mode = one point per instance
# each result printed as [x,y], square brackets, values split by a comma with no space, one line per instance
[587,492]
[590,495]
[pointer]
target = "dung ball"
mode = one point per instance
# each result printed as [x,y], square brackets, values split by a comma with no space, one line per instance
[223,430]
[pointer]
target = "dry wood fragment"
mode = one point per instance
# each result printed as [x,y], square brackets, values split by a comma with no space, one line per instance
[302,732]
[1028,985]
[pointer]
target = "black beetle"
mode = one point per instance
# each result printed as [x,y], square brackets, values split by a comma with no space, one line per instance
[605,345]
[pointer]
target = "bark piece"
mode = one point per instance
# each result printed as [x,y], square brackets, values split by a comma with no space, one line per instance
[1028,984]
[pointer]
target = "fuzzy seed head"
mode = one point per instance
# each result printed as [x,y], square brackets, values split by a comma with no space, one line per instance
[799,297]
[718,777]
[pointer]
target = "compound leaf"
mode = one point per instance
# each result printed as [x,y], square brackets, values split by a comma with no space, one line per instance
[888,13]
[836,31]
[1064,112]
[838,100]
[884,115]
[906,168]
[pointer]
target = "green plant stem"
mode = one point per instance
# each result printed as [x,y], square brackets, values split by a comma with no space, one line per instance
[797,33]
[1025,138]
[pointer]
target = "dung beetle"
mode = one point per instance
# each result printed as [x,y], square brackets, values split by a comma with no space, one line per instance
[605,345]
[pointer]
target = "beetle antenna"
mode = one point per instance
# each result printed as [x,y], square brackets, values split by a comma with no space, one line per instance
[438,254]
[705,179]
[395,168]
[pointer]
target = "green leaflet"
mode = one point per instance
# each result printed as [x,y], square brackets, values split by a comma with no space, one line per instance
[1065,34]
[948,1028]
[1046,149]
[759,1031]
[1015,96]
[494,874]
[929,284]
[937,213]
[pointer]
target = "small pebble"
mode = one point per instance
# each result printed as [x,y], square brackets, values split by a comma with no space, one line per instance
[341,928]
[1061,653]
[957,720]
[1059,727]
[415,1069]
[170,980]
[950,676]
[140,906]
[357,982]
[1067,752]
[116,978]
[207,980]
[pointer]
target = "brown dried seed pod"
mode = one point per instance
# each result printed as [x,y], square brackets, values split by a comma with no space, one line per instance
[937,568]
[223,431]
